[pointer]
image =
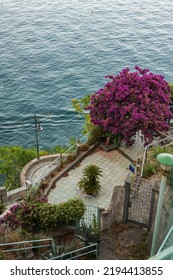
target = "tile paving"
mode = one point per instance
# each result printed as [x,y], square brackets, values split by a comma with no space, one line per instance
[115,169]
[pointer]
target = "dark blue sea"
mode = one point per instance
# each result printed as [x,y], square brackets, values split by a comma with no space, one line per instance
[54,51]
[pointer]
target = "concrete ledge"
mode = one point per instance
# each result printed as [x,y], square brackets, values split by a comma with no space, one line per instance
[125,155]
[108,148]
[26,169]
[16,193]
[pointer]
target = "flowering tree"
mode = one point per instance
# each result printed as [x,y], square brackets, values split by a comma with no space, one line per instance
[132,102]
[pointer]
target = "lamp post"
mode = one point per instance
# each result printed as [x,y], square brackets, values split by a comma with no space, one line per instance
[38,128]
[166,162]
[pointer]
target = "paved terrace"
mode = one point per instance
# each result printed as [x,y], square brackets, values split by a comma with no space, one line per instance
[115,167]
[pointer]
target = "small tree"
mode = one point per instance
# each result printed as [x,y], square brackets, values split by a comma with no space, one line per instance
[133,102]
[90,181]
[12,160]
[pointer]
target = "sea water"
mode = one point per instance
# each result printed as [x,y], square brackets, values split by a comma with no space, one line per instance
[54,51]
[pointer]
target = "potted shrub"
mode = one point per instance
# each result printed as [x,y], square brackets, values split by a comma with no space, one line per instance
[90,181]
[83,147]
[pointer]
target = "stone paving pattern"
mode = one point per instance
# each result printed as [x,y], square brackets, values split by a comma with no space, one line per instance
[115,169]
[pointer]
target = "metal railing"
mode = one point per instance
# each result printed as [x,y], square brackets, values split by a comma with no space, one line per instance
[75,254]
[25,245]
[168,241]
[168,138]
[54,165]
[166,254]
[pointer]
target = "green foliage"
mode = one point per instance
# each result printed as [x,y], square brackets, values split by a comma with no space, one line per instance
[12,160]
[151,165]
[45,216]
[96,134]
[90,181]
[33,196]
[148,169]
[57,149]
[155,151]
[96,229]
[91,233]
[2,208]
[70,158]
[171,86]
[80,106]
[2,256]
[170,177]
[72,141]
[61,149]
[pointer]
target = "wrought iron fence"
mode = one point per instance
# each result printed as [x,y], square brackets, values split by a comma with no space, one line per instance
[91,210]
[139,203]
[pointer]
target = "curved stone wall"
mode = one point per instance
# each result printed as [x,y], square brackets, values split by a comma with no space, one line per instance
[27,169]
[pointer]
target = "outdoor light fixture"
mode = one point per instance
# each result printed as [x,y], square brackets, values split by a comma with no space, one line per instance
[38,128]
[166,162]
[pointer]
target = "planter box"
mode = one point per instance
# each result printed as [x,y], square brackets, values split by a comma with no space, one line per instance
[108,148]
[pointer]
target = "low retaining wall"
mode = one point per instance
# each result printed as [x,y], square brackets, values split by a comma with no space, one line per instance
[114,213]
[16,194]
[29,166]
[70,166]
[11,196]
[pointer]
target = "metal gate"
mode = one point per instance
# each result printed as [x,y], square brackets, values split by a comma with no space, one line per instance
[139,203]
[91,209]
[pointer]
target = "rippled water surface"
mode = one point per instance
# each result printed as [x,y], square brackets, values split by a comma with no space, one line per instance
[53,51]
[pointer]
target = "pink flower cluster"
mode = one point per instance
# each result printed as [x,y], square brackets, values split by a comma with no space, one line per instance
[132,102]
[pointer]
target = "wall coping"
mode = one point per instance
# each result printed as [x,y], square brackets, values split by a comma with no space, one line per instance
[32,163]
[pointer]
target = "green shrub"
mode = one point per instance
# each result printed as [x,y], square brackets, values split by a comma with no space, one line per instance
[45,216]
[2,208]
[12,160]
[96,134]
[90,233]
[148,169]
[41,215]
[171,86]
[155,151]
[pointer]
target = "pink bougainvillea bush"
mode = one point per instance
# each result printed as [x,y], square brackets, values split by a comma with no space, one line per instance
[131,102]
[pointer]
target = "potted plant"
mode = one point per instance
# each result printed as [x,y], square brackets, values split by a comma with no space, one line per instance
[83,147]
[90,181]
